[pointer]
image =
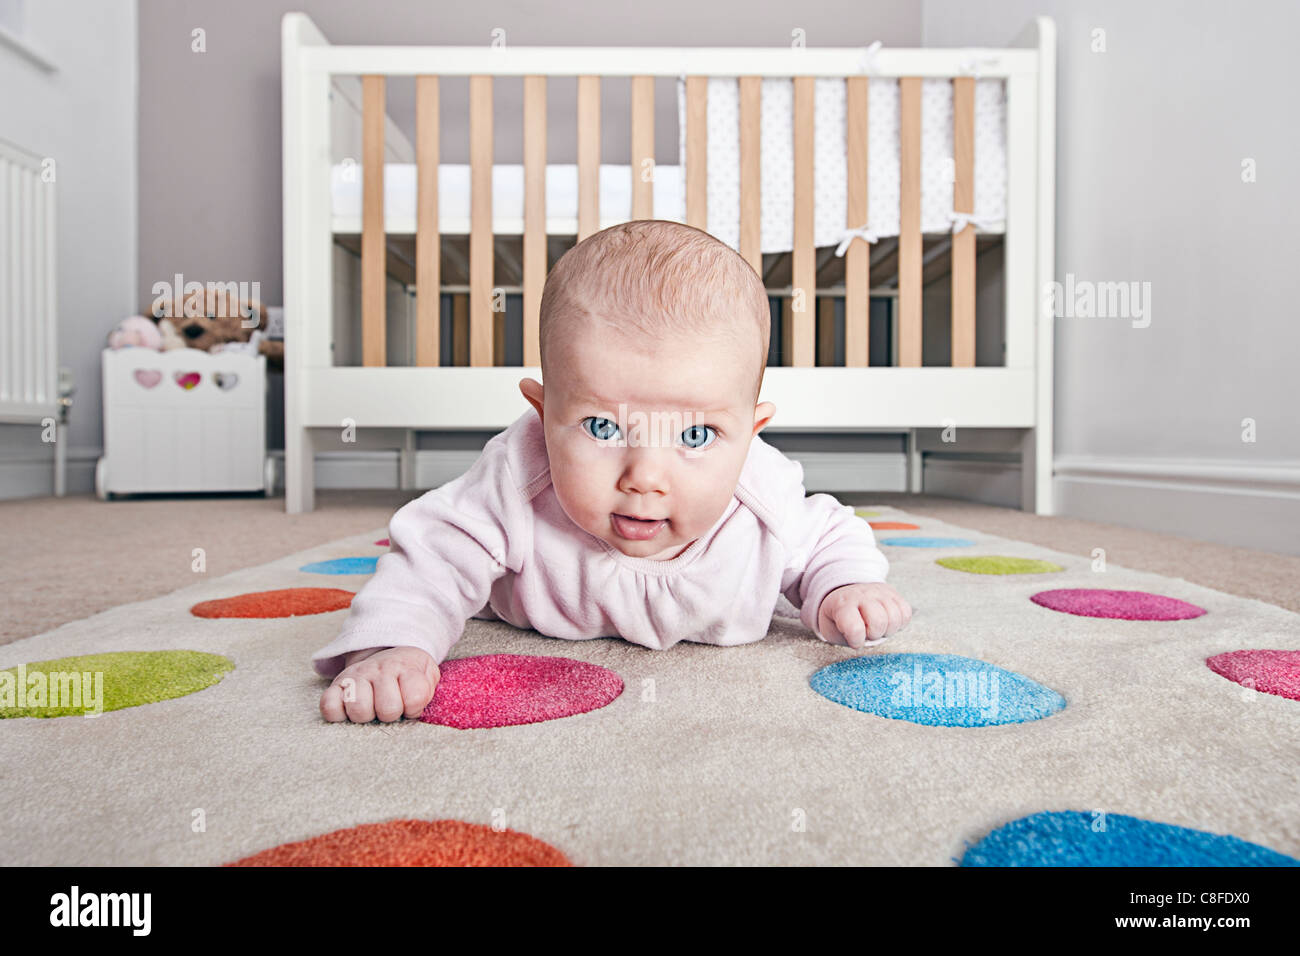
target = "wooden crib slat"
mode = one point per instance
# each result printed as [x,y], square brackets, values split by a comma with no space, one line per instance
[803,278]
[909,226]
[825,330]
[588,156]
[697,151]
[428,306]
[460,330]
[751,119]
[643,147]
[374,249]
[963,200]
[481,316]
[857,259]
[534,212]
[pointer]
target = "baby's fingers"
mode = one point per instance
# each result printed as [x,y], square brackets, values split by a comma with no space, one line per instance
[331,703]
[417,691]
[878,620]
[388,697]
[359,701]
[848,620]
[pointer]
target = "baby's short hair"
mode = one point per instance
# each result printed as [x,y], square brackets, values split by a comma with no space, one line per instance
[657,278]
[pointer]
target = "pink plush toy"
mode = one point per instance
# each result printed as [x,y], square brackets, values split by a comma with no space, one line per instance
[135,330]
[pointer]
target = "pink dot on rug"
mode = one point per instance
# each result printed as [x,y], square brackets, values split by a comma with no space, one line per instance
[1124,605]
[502,690]
[1269,672]
[382,542]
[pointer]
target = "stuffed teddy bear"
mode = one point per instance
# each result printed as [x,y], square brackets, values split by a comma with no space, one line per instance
[171,339]
[216,319]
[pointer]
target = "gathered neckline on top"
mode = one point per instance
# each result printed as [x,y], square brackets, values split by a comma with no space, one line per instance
[693,550]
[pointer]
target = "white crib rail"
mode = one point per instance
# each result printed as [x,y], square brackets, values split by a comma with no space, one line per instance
[28,351]
[320,395]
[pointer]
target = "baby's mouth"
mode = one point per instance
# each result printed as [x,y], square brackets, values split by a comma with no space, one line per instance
[634,529]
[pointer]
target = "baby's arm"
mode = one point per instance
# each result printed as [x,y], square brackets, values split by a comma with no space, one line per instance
[447,549]
[837,575]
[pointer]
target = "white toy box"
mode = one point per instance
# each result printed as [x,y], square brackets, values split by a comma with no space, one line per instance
[183,420]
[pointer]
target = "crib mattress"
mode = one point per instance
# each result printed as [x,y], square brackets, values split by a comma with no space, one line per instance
[777,172]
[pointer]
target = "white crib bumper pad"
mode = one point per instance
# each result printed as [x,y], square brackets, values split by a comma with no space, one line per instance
[507,197]
[830,164]
[777,172]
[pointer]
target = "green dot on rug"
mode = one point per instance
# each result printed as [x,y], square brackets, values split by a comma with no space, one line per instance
[866,513]
[93,683]
[999,564]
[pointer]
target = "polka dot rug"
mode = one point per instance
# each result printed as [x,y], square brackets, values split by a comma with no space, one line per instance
[975,736]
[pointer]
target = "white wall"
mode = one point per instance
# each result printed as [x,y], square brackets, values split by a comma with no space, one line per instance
[1151,135]
[83,115]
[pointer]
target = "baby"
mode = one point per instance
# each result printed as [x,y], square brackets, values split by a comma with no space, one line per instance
[634,499]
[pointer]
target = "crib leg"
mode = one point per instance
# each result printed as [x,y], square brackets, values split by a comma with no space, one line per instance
[299,470]
[406,461]
[1036,471]
[913,462]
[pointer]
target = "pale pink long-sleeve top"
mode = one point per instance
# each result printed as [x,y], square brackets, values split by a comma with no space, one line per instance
[495,544]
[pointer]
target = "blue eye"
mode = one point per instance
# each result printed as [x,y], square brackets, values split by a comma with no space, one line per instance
[605,429]
[696,433]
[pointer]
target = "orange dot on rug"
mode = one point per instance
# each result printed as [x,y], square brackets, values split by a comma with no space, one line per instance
[413,843]
[893,526]
[286,602]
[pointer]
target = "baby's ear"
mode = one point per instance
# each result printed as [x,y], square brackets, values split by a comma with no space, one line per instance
[533,390]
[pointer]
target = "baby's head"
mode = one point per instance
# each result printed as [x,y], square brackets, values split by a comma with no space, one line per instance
[654,337]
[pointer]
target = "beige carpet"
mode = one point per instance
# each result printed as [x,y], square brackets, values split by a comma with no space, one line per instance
[715,767]
[68,558]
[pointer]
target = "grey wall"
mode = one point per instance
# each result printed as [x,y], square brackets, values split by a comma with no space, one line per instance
[1151,135]
[210,122]
[83,115]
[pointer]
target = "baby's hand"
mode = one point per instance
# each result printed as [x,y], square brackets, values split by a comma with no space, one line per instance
[384,683]
[856,614]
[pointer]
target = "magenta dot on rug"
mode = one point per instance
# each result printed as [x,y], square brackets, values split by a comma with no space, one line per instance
[501,690]
[1125,605]
[1269,672]
[382,542]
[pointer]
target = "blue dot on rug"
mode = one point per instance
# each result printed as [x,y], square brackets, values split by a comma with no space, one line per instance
[1076,838]
[938,690]
[342,566]
[920,541]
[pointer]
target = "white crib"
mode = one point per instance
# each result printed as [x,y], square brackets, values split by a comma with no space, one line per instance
[514,218]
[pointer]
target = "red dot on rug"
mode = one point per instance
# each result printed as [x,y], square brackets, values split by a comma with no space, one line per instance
[382,542]
[413,843]
[1269,672]
[1124,605]
[502,690]
[893,526]
[286,602]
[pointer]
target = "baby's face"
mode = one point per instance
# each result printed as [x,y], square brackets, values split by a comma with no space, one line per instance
[657,431]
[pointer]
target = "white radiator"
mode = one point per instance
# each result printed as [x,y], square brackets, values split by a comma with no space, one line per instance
[28,356]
